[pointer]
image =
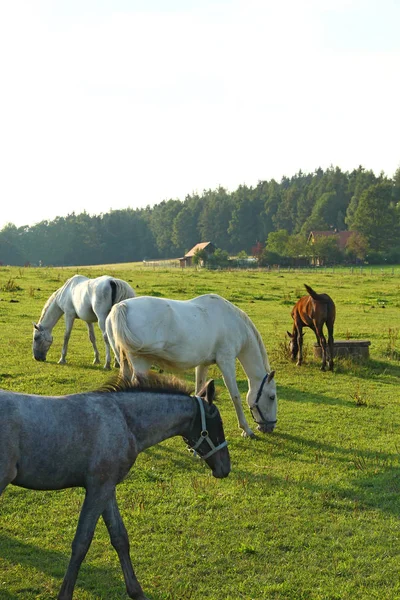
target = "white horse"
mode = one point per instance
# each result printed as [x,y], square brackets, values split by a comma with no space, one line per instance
[79,298]
[206,330]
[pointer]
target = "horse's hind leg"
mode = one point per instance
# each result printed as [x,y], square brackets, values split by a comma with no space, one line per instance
[201,377]
[101,319]
[92,338]
[108,334]
[94,504]
[330,345]
[132,364]
[322,343]
[120,541]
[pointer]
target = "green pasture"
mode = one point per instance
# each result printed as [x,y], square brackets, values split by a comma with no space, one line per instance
[308,512]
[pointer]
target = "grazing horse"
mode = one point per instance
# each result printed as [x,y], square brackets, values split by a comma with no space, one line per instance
[92,440]
[206,330]
[79,298]
[313,311]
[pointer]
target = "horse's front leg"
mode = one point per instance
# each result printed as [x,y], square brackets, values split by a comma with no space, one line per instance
[92,338]
[299,333]
[201,377]
[229,376]
[94,504]
[69,321]
[120,541]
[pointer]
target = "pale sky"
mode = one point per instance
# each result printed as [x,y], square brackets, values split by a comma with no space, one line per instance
[110,104]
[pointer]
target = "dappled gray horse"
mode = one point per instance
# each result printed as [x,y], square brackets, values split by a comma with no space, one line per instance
[92,440]
[79,298]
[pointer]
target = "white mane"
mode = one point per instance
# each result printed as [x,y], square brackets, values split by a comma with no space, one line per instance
[48,303]
[256,334]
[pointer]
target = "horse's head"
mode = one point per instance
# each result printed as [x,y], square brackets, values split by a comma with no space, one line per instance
[293,345]
[42,340]
[264,404]
[206,436]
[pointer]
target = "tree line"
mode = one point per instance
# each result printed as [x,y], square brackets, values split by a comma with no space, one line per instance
[271,217]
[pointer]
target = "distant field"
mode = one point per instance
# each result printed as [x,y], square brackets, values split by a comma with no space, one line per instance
[308,512]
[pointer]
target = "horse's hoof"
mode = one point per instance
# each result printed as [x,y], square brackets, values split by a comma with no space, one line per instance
[107,368]
[298,364]
[251,434]
[62,361]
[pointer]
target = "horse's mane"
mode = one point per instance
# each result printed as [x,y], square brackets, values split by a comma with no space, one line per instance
[256,334]
[152,382]
[51,299]
[47,304]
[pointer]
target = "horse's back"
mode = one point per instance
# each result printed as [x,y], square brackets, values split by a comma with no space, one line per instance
[314,307]
[177,317]
[184,332]
[93,298]
[41,435]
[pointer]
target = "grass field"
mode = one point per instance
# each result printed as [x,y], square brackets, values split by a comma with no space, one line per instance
[308,512]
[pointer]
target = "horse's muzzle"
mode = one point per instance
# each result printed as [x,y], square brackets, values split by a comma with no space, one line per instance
[221,473]
[266,427]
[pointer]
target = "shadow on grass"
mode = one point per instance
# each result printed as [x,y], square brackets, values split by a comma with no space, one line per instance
[387,371]
[375,484]
[54,564]
[292,394]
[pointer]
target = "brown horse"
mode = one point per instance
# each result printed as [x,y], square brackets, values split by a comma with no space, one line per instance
[313,311]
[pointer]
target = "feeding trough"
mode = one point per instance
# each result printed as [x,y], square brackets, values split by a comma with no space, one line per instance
[347,348]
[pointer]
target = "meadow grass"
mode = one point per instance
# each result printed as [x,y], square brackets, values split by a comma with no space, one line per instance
[308,512]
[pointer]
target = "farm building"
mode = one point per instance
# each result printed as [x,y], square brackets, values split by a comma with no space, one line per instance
[342,236]
[187,260]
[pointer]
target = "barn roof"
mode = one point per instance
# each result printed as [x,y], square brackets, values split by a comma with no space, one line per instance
[342,236]
[197,247]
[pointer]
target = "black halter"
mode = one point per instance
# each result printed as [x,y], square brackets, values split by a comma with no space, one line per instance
[204,437]
[256,407]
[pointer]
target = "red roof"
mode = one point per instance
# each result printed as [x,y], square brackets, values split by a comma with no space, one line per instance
[342,236]
[197,247]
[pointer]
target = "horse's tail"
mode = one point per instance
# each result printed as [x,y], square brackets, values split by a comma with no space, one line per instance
[120,290]
[117,330]
[324,298]
[126,343]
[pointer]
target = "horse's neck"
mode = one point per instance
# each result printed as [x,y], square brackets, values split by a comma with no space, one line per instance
[51,314]
[253,360]
[153,417]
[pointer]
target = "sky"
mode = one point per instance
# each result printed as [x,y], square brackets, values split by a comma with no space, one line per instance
[114,104]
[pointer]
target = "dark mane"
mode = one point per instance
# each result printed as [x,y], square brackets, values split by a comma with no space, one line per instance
[163,384]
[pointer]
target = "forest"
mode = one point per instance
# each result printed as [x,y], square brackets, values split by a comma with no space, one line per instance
[272,220]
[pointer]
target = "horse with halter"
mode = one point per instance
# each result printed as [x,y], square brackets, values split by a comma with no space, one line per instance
[79,298]
[313,311]
[92,440]
[186,334]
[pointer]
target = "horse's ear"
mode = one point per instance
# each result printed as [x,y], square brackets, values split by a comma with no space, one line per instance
[270,376]
[36,326]
[208,391]
[290,334]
